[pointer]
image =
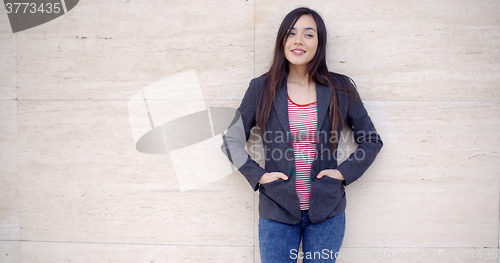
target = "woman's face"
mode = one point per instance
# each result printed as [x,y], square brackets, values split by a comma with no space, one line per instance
[302,42]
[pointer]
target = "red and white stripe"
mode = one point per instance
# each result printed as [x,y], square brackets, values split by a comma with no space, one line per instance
[303,127]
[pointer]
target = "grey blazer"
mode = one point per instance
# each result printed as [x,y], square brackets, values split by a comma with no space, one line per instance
[278,200]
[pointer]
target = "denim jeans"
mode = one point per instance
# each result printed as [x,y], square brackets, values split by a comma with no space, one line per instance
[279,243]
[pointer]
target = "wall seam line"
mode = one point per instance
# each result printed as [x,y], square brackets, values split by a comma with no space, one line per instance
[17,155]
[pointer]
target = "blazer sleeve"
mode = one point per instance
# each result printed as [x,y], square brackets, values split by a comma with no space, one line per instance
[366,136]
[237,135]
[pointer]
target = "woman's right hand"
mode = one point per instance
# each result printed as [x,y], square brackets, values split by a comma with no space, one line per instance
[273,176]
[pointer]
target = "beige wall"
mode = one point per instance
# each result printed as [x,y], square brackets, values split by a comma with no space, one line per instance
[73,187]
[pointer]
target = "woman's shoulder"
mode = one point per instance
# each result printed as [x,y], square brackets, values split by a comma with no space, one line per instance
[256,84]
[342,80]
[345,88]
[258,81]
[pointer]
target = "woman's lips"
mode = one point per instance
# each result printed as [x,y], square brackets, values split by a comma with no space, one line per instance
[298,51]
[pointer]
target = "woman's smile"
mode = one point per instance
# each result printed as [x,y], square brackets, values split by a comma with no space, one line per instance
[298,51]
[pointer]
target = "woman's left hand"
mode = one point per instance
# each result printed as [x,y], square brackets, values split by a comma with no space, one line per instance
[331,173]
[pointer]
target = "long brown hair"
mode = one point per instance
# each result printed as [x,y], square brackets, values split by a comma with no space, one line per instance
[317,70]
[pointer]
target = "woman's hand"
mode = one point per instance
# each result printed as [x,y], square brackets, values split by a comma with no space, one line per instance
[270,177]
[331,173]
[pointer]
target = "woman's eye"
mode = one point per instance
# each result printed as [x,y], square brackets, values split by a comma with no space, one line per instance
[291,34]
[309,35]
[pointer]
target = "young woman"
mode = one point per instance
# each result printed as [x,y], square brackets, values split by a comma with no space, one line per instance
[300,108]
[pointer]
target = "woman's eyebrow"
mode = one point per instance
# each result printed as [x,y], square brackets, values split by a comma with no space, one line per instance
[307,28]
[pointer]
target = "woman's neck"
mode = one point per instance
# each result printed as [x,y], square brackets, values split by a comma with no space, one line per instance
[298,75]
[301,90]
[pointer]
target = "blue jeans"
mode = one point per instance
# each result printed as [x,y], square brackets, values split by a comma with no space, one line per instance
[279,243]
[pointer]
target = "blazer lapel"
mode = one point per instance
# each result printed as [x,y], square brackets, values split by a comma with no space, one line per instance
[281,107]
[323,96]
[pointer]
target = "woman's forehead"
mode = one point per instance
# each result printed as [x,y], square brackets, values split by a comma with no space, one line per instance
[306,22]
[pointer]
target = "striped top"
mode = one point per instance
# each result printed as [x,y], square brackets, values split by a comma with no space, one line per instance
[303,126]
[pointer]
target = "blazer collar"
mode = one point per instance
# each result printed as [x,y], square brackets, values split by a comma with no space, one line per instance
[323,96]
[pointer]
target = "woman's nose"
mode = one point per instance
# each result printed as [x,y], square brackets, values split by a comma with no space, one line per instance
[298,40]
